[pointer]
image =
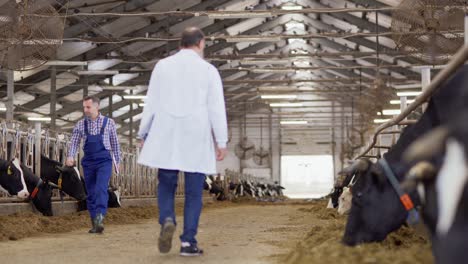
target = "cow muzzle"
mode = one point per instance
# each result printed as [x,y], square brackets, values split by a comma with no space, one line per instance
[23,194]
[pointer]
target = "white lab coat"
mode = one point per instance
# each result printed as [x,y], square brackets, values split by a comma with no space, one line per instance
[184,109]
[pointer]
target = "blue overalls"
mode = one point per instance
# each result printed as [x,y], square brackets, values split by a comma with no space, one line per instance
[97,168]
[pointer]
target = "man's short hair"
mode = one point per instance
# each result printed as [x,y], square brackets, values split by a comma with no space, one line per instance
[191,37]
[93,98]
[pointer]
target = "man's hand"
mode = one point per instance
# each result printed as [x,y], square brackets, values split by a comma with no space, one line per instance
[70,162]
[220,153]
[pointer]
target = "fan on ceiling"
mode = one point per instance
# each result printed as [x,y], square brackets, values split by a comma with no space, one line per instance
[30,33]
[245,148]
[261,156]
[433,29]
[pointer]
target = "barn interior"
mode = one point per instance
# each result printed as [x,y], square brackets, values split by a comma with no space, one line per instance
[310,86]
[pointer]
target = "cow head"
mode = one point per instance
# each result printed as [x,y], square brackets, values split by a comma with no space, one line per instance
[440,175]
[69,182]
[43,199]
[335,195]
[65,178]
[40,192]
[248,188]
[345,199]
[345,178]
[12,178]
[114,197]
[375,210]
[207,183]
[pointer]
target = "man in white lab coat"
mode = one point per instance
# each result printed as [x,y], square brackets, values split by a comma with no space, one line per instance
[184,109]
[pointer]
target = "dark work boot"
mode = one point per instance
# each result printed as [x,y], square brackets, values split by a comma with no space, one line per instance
[93,226]
[99,223]
[165,237]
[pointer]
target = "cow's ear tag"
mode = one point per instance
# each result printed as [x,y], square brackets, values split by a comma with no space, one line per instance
[9,172]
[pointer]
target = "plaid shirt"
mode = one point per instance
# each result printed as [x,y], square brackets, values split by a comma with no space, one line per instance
[111,141]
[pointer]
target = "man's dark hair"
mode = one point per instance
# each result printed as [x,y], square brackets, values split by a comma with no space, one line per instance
[191,37]
[93,98]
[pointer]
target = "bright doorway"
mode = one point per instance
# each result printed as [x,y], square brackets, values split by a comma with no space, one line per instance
[307,176]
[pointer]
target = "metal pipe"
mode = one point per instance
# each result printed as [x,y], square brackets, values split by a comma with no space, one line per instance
[111,104]
[425,81]
[391,132]
[457,60]
[382,147]
[332,140]
[241,136]
[270,133]
[86,82]
[37,148]
[53,97]
[466,29]
[111,83]
[10,94]
[131,126]
[280,138]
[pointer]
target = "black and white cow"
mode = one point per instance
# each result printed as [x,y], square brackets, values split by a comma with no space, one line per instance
[345,200]
[67,179]
[443,190]
[214,187]
[346,177]
[277,188]
[261,191]
[249,188]
[112,202]
[40,192]
[239,189]
[376,208]
[12,179]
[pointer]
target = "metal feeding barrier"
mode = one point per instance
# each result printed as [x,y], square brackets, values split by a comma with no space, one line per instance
[454,64]
[19,140]
[28,143]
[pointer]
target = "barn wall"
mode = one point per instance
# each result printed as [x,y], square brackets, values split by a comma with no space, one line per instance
[232,162]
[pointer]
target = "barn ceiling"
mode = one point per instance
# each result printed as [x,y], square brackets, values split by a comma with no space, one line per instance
[318,51]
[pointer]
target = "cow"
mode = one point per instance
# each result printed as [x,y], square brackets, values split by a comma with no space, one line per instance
[113,201]
[346,179]
[344,204]
[12,179]
[40,191]
[236,189]
[376,208]
[214,187]
[242,188]
[443,186]
[278,188]
[66,179]
[249,188]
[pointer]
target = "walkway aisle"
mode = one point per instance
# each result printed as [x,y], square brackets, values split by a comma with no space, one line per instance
[241,234]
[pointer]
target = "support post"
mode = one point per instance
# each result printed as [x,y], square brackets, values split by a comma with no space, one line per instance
[37,148]
[425,81]
[10,95]
[53,97]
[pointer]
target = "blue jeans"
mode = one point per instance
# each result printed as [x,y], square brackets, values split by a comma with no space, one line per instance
[96,177]
[193,200]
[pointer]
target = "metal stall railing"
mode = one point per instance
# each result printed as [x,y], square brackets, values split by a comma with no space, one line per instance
[20,140]
[134,181]
[236,177]
[457,61]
